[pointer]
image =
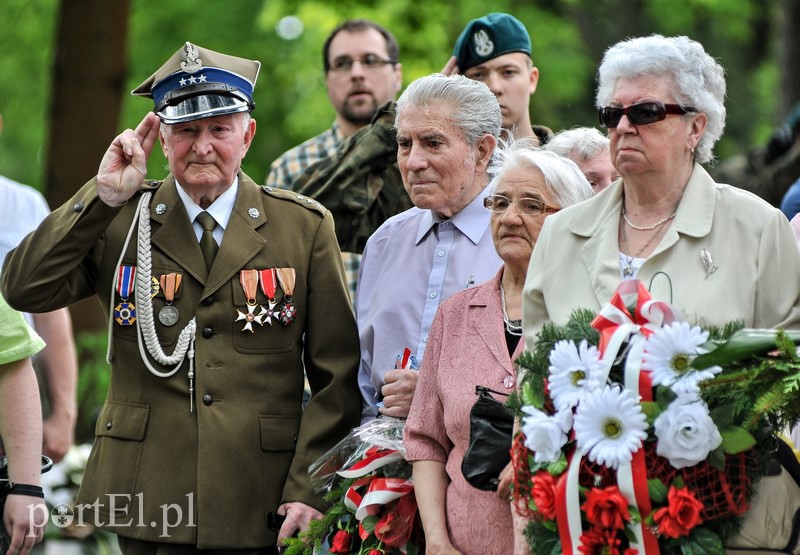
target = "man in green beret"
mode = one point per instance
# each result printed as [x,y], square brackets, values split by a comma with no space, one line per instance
[218,294]
[496,49]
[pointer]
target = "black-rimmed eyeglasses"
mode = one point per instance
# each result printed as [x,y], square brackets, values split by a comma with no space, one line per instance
[370,61]
[525,206]
[643,113]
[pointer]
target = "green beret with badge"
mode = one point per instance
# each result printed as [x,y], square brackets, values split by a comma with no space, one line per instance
[488,37]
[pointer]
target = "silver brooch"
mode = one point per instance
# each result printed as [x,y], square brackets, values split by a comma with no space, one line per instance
[253,213]
[708,262]
[161,208]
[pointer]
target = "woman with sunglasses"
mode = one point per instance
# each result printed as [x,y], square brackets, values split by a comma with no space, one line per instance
[716,252]
[472,340]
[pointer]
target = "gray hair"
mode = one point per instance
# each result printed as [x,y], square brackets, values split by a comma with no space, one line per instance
[579,143]
[699,79]
[562,177]
[474,107]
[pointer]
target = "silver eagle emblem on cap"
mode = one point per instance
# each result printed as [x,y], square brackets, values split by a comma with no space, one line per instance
[191,58]
[482,43]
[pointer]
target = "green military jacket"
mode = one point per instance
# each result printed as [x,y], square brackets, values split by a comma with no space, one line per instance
[157,471]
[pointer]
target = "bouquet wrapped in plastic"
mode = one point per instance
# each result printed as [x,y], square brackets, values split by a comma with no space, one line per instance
[368,482]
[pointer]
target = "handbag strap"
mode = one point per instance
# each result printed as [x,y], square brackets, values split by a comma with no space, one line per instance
[483,390]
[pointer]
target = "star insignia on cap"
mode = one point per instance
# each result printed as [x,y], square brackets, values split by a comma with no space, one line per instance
[161,208]
[253,213]
[201,79]
[182,82]
[192,80]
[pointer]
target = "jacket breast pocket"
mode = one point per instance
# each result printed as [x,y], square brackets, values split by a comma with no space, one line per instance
[114,462]
[257,328]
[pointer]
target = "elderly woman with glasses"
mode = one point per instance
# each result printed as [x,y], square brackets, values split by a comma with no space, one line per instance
[716,252]
[472,342]
[712,250]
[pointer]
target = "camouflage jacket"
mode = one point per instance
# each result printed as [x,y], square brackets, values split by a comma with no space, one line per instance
[360,183]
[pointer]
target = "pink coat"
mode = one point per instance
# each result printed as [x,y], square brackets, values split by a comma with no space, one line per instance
[466,347]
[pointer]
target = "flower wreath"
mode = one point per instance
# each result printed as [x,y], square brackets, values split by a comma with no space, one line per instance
[641,433]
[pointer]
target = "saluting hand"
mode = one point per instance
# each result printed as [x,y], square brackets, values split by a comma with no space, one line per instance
[451,67]
[124,164]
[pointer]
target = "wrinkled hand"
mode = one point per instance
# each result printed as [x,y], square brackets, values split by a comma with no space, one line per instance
[451,67]
[298,517]
[506,479]
[124,164]
[398,392]
[25,519]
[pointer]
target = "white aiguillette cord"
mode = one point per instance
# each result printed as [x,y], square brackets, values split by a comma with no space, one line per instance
[145,323]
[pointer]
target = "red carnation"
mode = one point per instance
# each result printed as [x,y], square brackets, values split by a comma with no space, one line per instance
[680,515]
[342,542]
[543,491]
[394,527]
[606,508]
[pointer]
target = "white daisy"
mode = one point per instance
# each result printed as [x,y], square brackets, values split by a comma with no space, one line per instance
[610,426]
[574,371]
[668,356]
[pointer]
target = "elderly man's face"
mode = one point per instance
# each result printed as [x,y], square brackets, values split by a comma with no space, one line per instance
[205,154]
[440,170]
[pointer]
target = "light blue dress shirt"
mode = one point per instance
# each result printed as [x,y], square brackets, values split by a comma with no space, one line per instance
[409,266]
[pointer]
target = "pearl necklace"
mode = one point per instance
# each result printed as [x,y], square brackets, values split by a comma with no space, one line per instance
[514,327]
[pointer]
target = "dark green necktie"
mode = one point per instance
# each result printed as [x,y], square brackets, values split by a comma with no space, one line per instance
[208,245]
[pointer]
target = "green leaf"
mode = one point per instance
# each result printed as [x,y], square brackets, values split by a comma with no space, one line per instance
[557,468]
[651,410]
[369,523]
[664,396]
[707,541]
[723,415]
[716,458]
[736,439]
[657,490]
[677,482]
[531,396]
[742,345]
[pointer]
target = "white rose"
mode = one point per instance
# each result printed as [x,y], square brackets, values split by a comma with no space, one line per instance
[546,435]
[686,433]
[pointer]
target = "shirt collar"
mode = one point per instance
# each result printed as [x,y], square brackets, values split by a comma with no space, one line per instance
[472,220]
[220,209]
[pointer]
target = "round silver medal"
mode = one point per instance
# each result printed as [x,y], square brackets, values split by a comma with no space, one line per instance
[168,315]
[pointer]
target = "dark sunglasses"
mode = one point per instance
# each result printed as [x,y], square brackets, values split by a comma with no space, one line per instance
[644,113]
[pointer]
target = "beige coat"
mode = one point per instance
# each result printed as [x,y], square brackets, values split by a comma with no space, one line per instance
[247,446]
[575,263]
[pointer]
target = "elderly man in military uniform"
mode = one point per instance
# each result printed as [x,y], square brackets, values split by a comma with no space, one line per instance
[218,294]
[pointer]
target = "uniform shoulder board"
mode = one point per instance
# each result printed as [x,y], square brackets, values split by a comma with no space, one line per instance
[150,185]
[302,200]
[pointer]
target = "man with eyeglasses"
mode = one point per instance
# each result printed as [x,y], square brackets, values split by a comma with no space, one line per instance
[496,49]
[362,72]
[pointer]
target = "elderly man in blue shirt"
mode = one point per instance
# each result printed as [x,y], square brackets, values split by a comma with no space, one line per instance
[447,130]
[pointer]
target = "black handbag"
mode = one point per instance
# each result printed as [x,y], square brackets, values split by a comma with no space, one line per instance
[491,425]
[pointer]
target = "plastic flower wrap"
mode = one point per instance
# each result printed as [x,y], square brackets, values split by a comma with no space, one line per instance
[368,481]
[641,433]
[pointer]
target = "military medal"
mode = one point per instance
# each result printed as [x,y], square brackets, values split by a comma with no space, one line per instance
[249,281]
[170,283]
[286,277]
[125,311]
[269,282]
[155,287]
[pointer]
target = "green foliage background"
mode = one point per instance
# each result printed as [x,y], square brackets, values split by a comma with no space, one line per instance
[569,37]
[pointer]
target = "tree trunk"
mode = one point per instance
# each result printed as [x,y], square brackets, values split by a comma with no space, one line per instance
[789,26]
[88,78]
